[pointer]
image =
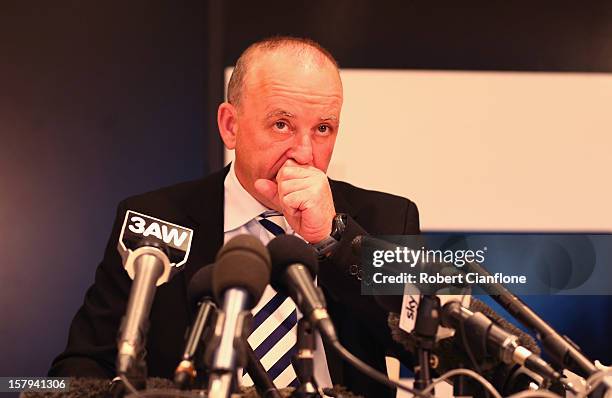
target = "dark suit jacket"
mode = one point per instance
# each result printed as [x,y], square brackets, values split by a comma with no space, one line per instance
[361,325]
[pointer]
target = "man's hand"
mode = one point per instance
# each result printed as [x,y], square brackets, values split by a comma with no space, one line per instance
[303,194]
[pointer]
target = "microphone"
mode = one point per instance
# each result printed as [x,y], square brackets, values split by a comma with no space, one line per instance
[240,275]
[448,354]
[294,266]
[563,352]
[487,338]
[152,251]
[421,314]
[416,294]
[199,293]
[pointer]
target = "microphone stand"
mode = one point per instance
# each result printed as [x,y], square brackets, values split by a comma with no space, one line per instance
[303,362]
[425,329]
[186,372]
[261,379]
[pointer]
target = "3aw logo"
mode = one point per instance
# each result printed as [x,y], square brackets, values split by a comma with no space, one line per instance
[138,226]
[165,232]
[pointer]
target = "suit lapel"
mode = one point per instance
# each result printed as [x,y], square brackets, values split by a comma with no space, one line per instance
[205,209]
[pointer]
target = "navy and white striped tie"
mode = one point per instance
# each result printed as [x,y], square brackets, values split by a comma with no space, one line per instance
[274,336]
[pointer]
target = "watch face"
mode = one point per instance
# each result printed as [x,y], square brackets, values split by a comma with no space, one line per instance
[339,225]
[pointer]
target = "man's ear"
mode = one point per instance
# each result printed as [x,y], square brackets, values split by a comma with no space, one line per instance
[227,120]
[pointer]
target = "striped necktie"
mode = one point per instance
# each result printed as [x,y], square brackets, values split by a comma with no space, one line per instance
[274,337]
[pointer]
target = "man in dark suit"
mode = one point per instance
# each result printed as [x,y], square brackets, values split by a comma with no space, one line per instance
[282,119]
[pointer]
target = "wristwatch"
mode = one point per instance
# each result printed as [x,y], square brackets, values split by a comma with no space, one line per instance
[326,247]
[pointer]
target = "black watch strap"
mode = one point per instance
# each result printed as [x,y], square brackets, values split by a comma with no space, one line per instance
[326,247]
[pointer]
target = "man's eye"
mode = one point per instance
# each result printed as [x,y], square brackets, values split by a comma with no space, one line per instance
[323,128]
[280,125]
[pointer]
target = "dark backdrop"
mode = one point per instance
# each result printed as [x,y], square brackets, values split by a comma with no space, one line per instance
[98,101]
[101,100]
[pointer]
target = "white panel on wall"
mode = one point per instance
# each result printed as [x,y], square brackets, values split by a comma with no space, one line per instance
[482,150]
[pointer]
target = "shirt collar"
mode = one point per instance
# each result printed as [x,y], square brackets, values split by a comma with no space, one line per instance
[240,207]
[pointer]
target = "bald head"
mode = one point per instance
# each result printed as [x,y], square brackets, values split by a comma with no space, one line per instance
[302,53]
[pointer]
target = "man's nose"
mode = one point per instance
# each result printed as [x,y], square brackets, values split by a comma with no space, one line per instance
[301,151]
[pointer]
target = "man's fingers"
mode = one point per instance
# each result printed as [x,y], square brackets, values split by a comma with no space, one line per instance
[297,200]
[268,189]
[294,172]
[287,186]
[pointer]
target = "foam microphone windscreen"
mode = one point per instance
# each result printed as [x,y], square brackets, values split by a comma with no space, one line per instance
[286,250]
[244,263]
[200,286]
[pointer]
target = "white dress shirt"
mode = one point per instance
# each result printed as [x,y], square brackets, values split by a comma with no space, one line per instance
[239,215]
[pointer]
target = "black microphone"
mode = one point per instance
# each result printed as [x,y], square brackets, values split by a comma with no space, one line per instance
[152,251]
[419,318]
[563,352]
[199,293]
[393,303]
[447,351]
[294,266]
[240,275]
[486,338]
[452,352]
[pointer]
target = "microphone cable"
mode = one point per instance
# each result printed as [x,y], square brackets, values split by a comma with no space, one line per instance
[489,387]
[373,373]
[465,372]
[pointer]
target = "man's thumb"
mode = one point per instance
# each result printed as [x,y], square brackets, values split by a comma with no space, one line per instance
[268,189]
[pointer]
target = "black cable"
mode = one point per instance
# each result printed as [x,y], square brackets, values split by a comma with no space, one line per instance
[373,373]
[466,372]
